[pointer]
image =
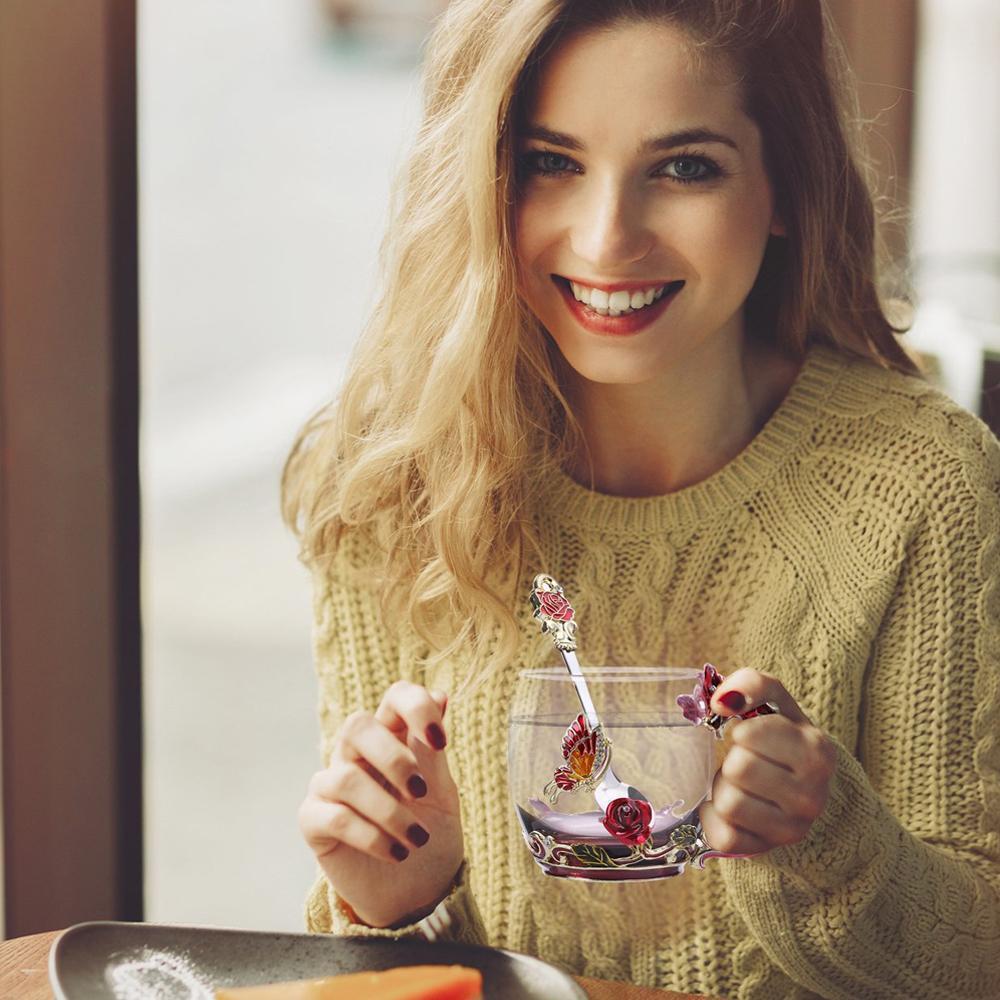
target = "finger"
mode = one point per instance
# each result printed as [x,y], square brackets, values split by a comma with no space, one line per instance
[350,785]
[408,708]
[759,817]
[377,776]
[363,738]
[441,697]
[720,835]
[755,688]
[770,782]
[775,738]
[802,749]
[756,817]
[326,825]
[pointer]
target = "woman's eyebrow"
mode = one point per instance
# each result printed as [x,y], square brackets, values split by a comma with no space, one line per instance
[659,142]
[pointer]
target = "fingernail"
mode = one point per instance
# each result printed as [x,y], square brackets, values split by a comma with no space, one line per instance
[417,786]
[399,852]
[733,700]
[417,835]
[436,737]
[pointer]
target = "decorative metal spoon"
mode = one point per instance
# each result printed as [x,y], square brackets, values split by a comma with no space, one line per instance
[557,618]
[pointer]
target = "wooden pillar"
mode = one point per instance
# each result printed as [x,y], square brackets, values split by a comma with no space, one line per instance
[69,488]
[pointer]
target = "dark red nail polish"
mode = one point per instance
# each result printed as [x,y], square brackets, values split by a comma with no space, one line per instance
[417,786]
[733,700]
[417,835]
[436,737]
[399,852]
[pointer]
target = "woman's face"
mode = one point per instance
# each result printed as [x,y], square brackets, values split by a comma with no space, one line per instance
[655,181]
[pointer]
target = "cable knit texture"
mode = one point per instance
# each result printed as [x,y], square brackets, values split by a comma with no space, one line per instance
[852,551]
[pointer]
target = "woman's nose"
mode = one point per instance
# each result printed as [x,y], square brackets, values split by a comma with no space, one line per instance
[610,230]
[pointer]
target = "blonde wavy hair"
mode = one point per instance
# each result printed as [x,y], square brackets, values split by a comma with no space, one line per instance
[453,398]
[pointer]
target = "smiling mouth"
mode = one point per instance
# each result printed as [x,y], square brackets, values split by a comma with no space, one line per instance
[618,322]
[666,291]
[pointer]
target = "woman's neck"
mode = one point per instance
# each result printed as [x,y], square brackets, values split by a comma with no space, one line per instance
[659,437]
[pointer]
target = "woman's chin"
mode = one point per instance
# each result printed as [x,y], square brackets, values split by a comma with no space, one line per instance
[608,367]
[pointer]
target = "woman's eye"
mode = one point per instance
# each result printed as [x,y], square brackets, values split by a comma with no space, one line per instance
[692,168]
[543,162]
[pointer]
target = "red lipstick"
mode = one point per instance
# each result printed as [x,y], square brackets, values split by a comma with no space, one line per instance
[617,325]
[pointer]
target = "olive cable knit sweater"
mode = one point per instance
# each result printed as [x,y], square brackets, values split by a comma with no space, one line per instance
[852,550]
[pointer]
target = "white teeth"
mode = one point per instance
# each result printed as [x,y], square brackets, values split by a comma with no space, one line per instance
[615,303]
[619,300]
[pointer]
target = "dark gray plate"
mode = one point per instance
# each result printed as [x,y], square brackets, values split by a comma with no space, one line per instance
[108,960]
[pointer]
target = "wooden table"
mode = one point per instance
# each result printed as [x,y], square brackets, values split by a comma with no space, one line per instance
[24,973]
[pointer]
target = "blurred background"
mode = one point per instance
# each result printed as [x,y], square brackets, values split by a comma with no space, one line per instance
[264,172]
[232,160]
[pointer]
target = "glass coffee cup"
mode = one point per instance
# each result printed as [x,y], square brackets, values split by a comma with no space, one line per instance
[557,760]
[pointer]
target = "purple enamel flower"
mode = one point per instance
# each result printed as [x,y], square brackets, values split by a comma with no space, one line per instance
[695,705]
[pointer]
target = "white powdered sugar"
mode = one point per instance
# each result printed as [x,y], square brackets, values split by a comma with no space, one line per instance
[149,974]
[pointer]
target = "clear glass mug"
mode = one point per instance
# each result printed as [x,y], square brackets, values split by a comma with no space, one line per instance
[646,736]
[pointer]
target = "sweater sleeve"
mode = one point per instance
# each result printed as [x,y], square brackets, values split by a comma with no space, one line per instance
[326,913]
[357,657]
[895,891]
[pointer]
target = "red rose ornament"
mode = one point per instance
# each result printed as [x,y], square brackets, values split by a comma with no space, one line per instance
[554,605]
[628,820]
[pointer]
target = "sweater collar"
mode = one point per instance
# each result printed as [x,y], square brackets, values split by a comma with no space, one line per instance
[777,441]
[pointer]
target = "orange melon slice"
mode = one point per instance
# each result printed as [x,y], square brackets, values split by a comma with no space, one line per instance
[407,982]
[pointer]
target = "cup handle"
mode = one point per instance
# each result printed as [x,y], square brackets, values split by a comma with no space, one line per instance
[717,722]
[700,851]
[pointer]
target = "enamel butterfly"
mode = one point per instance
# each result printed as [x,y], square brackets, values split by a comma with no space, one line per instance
[587,753]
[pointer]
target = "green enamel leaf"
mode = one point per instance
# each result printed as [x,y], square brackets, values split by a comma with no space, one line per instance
[684,836]
[591,856]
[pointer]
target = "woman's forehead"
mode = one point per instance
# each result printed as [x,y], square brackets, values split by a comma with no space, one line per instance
[630,70]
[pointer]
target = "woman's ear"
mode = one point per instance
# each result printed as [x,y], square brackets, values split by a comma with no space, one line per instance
[777,226]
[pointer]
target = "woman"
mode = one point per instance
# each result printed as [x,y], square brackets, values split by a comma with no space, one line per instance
[631,336]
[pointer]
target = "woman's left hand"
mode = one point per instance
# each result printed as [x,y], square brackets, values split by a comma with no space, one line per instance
[775,779]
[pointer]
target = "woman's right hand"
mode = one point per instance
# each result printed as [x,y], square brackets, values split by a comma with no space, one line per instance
[365,816]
